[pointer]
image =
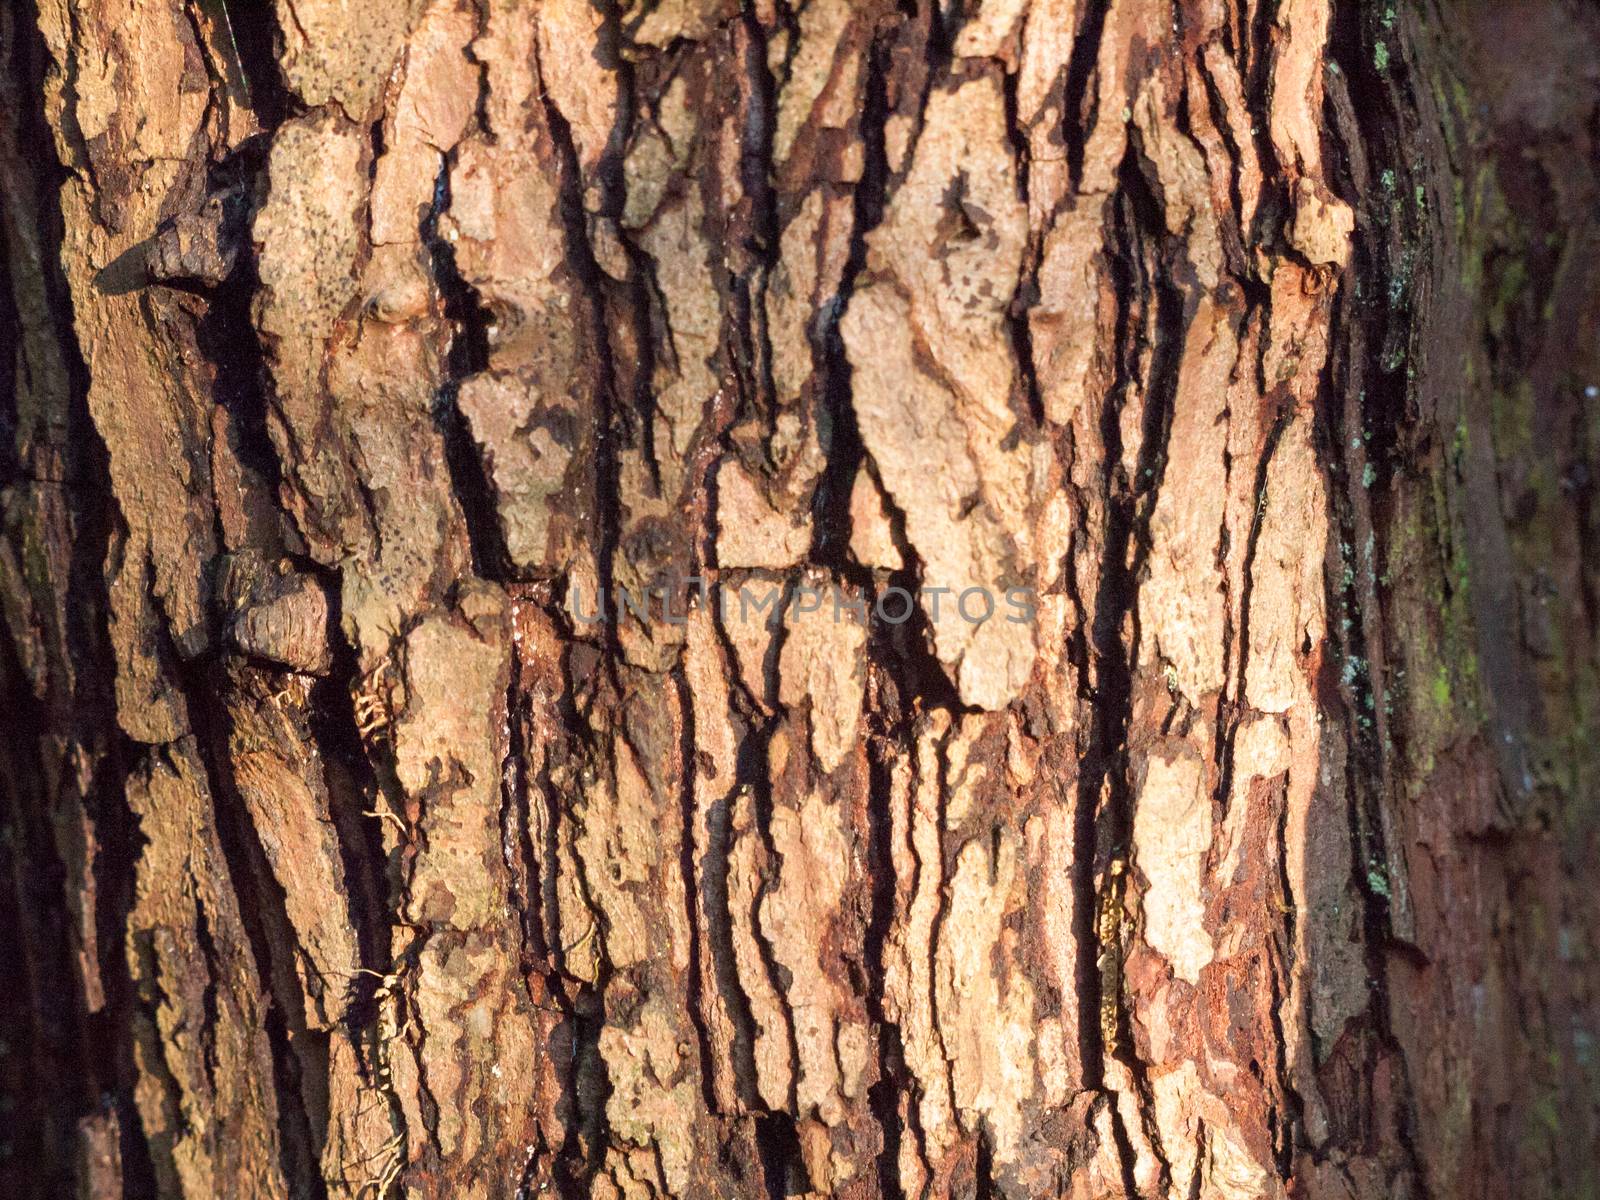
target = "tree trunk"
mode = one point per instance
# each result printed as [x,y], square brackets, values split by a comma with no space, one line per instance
[836,598]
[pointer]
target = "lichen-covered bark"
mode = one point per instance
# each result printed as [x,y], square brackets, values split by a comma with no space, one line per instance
[363,839]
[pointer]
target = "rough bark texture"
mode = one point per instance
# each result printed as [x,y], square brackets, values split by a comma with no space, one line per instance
[356,347]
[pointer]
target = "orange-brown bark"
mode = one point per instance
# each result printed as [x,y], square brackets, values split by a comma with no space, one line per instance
[461,457]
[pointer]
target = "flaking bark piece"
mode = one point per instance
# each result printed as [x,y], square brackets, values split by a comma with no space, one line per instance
[275,612]
[198,247]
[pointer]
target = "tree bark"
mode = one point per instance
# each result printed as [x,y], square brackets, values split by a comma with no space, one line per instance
[500,501]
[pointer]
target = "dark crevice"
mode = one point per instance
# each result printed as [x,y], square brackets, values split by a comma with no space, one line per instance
[755,226]
[612,417]
[264,917]
[941,824]
[1103,651]
[1233,709]
[586,1085]
[252,30]
[353,791]
[1018,327]
[754,771]
[39,1030]
[208,1000]
[1078,106]
[80,1062]
[778,1144]
[226,336]
[1127,1158]
[694,984]
[628,413]
[983,1167]
[120,844]
[530,809]
[517,787]
[837,429]
[1233,244]
[883,1095]
[1174,290]
[908,648]
[1289,1128]
[467,356]
[1143,266]
[1257,80]
[575,1043]
[719,938]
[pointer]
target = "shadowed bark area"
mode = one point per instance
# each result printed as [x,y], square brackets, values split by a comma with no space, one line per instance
[835,598]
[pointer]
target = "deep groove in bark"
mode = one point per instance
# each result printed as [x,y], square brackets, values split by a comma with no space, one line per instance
[468,354]
[694,886]
[836,418]
[1237,706]
[1075,92]
[270,934]
[590,281]
[103,1056]
[882,1095]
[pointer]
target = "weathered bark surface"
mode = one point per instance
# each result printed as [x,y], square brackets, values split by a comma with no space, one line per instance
[356,347]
